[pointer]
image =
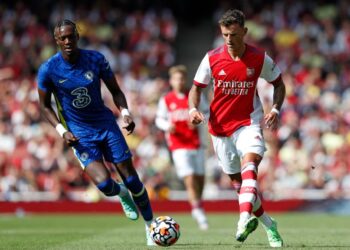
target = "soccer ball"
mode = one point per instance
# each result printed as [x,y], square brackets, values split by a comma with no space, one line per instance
[164,231]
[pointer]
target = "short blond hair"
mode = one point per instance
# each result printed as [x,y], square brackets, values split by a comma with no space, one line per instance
[178,68]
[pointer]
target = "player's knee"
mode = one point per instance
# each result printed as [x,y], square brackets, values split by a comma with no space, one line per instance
[97,172]
[134,184]
[108,187]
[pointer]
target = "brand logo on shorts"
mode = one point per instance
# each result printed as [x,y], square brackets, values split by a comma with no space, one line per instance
[84,156]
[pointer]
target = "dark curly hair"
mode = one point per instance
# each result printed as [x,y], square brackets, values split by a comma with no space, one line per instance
[66,22]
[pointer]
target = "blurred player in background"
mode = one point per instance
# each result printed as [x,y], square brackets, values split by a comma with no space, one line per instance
[86,124]
[236,115]
[183,140]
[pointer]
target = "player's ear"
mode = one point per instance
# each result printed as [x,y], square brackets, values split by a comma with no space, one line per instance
[56,40]
[245,30]
[55,35]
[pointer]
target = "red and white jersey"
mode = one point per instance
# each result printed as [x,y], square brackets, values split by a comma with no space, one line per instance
[236,102]
[173,109]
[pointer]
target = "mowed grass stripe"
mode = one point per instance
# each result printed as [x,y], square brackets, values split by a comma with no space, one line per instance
[112,231]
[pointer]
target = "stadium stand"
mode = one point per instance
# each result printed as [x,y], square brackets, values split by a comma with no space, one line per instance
[307,158]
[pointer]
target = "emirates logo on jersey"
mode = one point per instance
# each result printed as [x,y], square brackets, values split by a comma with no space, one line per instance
[250,72]
[173,106]
[179,115]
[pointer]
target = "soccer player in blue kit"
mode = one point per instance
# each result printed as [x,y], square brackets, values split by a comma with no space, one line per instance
[73,76]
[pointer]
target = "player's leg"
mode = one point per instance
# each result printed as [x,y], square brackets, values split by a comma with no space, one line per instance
[252,146]
[248,190]
[246,224]
[100,175]
[89,154]
[269,224]
[139,193]
[199,171]
[195,200]
[229,160]
[118,152]
[131,180]
[186,165]
[198,181]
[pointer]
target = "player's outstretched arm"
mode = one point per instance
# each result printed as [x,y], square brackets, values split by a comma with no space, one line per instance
[121,103]
[50,115]
[194,99]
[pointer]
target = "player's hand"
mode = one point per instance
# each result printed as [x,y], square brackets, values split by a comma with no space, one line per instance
[271,121]
[196,117]
[130,124]
[70,139]
[191,125]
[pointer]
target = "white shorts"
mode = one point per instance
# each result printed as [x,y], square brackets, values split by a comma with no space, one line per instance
[230,150]
[188,162]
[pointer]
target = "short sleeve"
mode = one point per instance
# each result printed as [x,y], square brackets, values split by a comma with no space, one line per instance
[162,121]
[203,74]
[43,78]
[270,70]
[162,110]
[105,69]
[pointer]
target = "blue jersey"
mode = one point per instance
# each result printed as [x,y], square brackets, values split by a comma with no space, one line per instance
[77,88]
[77,91]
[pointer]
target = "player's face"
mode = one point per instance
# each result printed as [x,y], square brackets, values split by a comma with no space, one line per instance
[67,39]
[233,36]
[177,81]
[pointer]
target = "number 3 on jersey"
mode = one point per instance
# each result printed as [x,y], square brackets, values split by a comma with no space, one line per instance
[82,97]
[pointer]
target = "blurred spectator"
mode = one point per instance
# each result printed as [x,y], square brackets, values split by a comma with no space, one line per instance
[309,39]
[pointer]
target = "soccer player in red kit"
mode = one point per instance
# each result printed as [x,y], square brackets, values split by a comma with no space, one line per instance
[236,115]
[183,140]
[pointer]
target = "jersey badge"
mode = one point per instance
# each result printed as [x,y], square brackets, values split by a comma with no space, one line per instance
[250,72]
[84,156]
[89,75]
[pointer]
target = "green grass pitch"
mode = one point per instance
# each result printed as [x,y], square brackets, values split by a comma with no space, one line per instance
[114,231]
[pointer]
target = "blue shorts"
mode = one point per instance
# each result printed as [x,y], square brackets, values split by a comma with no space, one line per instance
[96,144]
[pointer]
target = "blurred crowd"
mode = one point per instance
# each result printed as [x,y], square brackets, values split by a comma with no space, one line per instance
[307,157]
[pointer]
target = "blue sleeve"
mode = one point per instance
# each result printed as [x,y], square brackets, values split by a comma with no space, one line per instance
[105,69]
[44,82]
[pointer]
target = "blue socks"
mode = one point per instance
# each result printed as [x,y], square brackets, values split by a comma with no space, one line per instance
[140,196]
[109,187]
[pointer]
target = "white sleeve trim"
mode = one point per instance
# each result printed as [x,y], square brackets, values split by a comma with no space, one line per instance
[270,70]
[203,74]
[162,115]
[162,124]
